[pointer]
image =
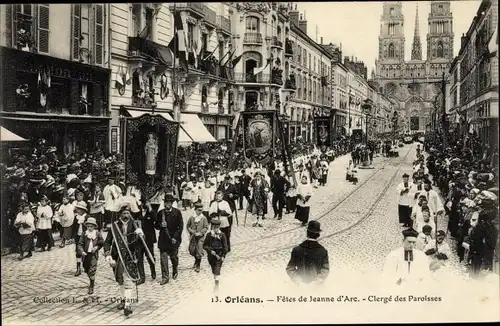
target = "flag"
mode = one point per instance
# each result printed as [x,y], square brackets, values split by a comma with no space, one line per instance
[224,57]
[178,43]
[261,69]
[236,60]
[128,80]
[493,44]
[236,120]
[211,53]
[119,79]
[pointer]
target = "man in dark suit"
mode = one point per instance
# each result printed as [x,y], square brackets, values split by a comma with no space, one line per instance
[146,216]
[245,180]
[230,194]
[309,260]
[131,232]
[279,187]
[169,222]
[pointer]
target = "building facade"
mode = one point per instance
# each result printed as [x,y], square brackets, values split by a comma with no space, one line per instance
[148,75]
[310,69]
[474,77]
[55,73]
[413,85]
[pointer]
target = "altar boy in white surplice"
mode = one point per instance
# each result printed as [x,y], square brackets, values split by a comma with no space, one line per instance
[406,264]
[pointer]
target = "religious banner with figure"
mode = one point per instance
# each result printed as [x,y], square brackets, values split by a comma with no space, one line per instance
[259,136]
[322,128]
[150,152]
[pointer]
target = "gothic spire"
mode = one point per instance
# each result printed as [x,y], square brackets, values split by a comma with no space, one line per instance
[416,51]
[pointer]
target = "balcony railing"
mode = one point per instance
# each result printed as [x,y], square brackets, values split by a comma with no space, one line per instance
[210,16]
[276,43]
[224,24]
[210,66]
[252,38]
[289,48]
[138,46]
[249,78]
[194,7]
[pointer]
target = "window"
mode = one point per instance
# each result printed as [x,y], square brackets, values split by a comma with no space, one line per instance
[252,24]
[99,35]
[391,11]
[304,53]
[22,19]
[440,52]
[309,62]
[391,51]
[190,35]
[136,19]
[76,30]
[299,54]
[205,43]
[43,28]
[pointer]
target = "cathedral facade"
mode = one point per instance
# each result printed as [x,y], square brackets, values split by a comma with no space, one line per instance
[412,85]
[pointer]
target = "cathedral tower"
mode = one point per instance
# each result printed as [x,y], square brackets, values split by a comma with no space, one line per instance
[440,34]
[416,49]
[391,42]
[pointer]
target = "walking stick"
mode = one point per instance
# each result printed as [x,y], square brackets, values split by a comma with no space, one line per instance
[246,214]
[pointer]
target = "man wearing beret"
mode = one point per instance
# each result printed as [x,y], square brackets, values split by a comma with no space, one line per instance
[309,260]
[406,264]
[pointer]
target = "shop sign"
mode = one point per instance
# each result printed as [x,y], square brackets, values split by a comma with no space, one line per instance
[114,140]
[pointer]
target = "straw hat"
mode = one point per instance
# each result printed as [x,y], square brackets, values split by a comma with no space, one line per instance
[92,221]
[81,205]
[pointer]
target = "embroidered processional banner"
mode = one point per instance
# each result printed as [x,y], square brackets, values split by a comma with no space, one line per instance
[150,152]
[259,136]
[323,129]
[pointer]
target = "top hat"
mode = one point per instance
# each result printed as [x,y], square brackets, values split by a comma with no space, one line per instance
[314,226]
[92,221]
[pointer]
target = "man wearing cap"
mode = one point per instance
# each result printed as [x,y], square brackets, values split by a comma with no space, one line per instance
[147,218]
[259,189]
[131,232]
[245,180]
[230,194]
[405,200]
[170,223]
[309,260]
[197,227]
[406,264]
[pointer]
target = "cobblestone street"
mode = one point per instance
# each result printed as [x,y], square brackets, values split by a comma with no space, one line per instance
[359,228]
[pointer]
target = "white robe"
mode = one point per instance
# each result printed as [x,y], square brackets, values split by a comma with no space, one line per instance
[396,267]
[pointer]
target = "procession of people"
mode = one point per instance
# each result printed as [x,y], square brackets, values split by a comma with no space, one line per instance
[84,199]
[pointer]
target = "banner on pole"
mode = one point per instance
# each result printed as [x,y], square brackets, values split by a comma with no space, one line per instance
[151,152]
[259,136]
[323,129]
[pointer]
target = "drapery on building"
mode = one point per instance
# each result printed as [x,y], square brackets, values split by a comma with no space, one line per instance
[55,73]
[412,85]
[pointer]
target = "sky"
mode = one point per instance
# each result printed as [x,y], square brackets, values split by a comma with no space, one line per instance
[357,25]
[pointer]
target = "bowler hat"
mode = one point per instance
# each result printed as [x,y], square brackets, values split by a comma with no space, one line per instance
[215,222]
[406,175]
[92,221]
[314,226]
[169,198]
[198,204]
[410,233]
[441,233]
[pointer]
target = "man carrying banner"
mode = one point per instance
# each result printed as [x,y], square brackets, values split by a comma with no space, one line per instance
[120,247]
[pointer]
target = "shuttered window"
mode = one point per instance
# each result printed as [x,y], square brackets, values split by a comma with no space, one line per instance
[77,12]
[99,35]
[43,28]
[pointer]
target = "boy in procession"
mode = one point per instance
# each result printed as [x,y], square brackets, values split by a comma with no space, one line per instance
[88,248]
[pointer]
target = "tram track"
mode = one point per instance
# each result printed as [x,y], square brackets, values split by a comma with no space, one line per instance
[326,213]
[338,232]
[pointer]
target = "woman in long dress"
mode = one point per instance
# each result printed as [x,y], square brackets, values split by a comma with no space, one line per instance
[151,151]
[304,193]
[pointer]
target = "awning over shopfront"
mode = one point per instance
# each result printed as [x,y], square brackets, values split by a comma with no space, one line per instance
[183,135]
[196,129]
[7,135]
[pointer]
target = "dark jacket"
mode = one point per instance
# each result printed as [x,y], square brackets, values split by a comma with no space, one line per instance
[148,226]
[231,189]
[245,183]
[83,244]
[175,225]
[309,262]
[133,241]
[218,245]
[279,185]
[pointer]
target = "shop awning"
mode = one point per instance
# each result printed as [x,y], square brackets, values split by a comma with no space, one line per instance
[183,135]
[7,135]
[196,129]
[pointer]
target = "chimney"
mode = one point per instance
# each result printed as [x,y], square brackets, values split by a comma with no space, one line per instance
[294,17]
[462,40]
[321,40]
[303,24]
